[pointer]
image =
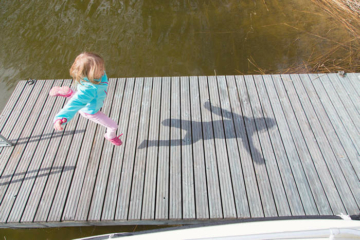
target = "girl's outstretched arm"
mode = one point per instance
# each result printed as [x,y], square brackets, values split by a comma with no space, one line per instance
[83,96]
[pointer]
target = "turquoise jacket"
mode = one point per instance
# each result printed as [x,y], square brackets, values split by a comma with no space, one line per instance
[89,98]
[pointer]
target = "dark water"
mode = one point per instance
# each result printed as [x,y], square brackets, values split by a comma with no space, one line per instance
[40,39]
[139,38]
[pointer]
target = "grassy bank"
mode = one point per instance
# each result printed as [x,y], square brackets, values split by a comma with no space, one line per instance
[343,54]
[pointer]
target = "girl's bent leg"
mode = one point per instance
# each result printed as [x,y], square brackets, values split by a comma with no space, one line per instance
[103,120]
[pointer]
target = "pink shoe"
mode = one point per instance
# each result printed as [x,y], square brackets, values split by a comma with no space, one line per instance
[116,140]
[61,91]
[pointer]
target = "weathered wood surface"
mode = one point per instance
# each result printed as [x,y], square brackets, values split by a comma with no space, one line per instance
[195,149]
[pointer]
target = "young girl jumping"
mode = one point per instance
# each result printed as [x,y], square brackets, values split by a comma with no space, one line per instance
[88,73]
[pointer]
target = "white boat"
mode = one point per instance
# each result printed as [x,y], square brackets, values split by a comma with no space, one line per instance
[342,228]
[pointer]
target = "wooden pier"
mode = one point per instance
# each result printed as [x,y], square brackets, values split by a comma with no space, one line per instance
[195,149]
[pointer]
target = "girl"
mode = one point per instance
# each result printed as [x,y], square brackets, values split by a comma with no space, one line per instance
[88,73]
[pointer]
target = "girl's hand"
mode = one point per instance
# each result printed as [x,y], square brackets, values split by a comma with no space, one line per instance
[57,124]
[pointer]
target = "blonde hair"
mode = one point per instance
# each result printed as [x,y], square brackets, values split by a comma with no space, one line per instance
[89,65]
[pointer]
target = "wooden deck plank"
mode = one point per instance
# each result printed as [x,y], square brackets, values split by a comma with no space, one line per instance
[307,142]
[188,196]
[82,165]
[329,162]
[80,171]
[113,100]
[140,159]
[270,161]
[353,95]
[252,190]
[175,200]
[35,150]
[333,86]
[201,192]
[298,155]
[9,107]
[212,174]
[152,146]
[12,122]
[68,170]
[345,141]
[53,140]
[355,80]
[192,152]
[55,173]
[91,139]
[325,90]
[12,154]
[162,188]
[116,165]
[333,104]
[105,161]
[297,114]
[240,196]
[78,142]
[11,103]
[130,149]
[16,181]
[323,106]
[310,141]
[289,176]
[267,198]
[334,155]
[87,191]
[228,202]
[108,148]
[94,168]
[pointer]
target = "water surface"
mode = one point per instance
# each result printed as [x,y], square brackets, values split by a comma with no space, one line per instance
[138,38]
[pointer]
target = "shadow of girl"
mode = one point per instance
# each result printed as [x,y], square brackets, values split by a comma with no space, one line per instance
[228,118]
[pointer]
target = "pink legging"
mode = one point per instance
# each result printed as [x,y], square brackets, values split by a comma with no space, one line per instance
[102,119]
